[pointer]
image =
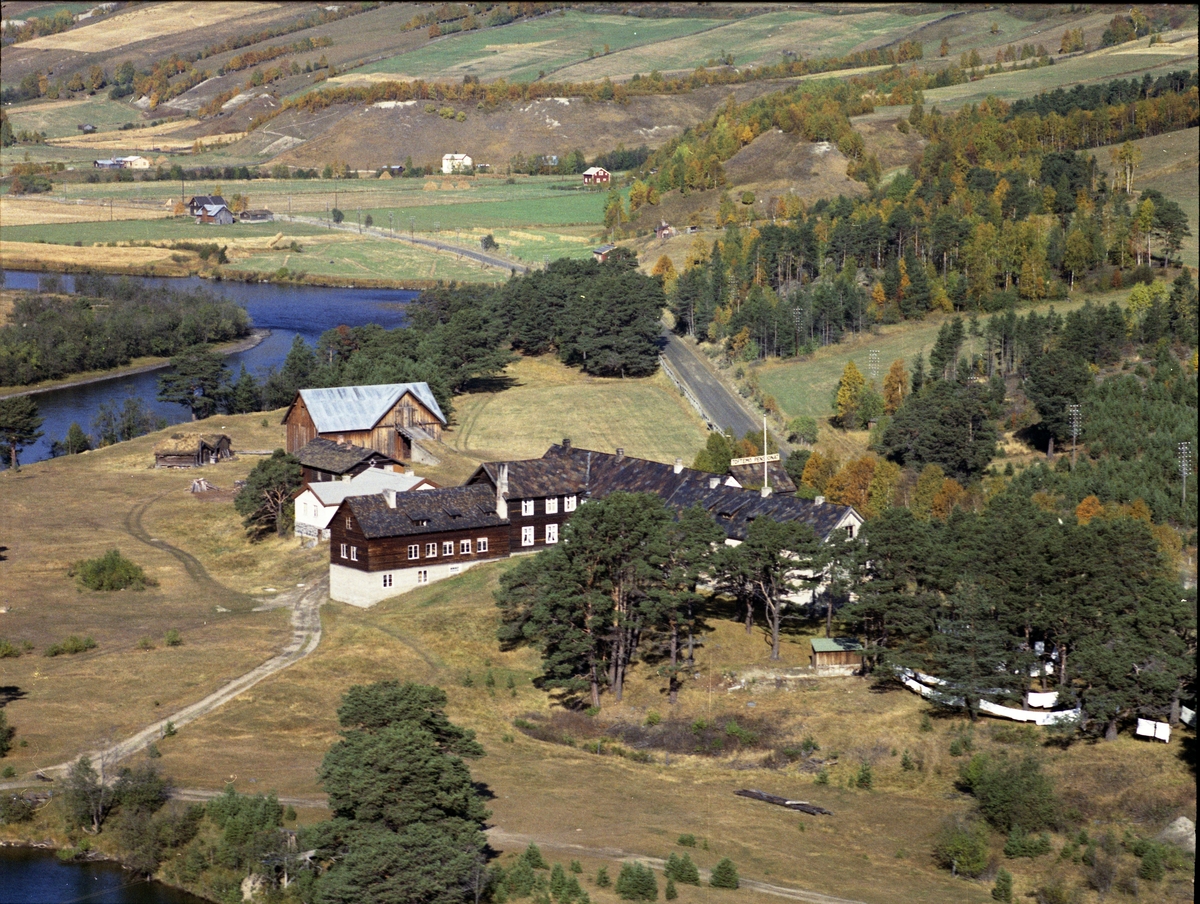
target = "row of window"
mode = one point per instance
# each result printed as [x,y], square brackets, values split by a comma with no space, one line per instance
[528,505]
[431,549]
[527,535]
[353,552]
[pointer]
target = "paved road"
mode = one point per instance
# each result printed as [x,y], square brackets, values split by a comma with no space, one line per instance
[720,406]
[377,233]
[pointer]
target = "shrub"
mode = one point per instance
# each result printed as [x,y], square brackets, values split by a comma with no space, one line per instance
[961,847]
[822,777]
[111,571]
[670,894]
[636,882]
[1011,794]
[533,856]
[864,779]
[688,840]
[576,866]
[906,762]
[1152,865]
[14,808]
[173,639]
[73,644]
[724,875]
[7,650]
[1003,889]
[1021,844]
[602,879]
[682,870]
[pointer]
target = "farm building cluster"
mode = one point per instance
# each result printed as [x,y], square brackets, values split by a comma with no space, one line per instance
[390,531]
[212,209]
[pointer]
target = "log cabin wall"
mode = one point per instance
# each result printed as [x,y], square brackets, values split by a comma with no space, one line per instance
[300,427]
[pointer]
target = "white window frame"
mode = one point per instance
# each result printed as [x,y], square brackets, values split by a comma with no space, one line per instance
[464,547]
[414,551]
[423,576]
[447,547]
[431,550]
[349,523]
[481,545]
[343,550]
[387,580]
[551,534]
[353,553]
[552,505]
[569,504]
[527,536]
[526,507]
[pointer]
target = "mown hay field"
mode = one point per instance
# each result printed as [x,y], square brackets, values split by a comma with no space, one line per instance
[520,51]
[548,401]
[146,24]
[31,210]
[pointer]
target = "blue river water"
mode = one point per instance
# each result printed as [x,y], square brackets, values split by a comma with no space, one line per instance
[287,311]
[29,876]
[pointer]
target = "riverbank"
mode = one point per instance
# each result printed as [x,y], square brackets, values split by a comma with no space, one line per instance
[138,366]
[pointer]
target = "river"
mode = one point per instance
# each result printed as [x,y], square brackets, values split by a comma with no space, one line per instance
[287,311]
[29,876]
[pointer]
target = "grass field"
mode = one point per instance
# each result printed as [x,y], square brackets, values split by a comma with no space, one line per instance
[162,229]
[60,119]
[518,52]
[806,387]
[143,25]
[548,401]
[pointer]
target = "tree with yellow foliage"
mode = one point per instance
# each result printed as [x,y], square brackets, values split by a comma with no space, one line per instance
[851,485]
[849,396]
[950,495]
[895,386]
[817,471]
[929,483]
[665,270]
[1088,509]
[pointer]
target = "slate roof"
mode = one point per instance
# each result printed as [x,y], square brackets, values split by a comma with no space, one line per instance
[197,201]
[565,470]
[337,458]
[370,482]
[361,407]
[429,511]
[752,475]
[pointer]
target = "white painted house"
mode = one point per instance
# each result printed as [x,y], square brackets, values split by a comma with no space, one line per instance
[456,163]
[317,503]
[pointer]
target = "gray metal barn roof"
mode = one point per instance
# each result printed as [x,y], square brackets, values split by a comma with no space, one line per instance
[362,407]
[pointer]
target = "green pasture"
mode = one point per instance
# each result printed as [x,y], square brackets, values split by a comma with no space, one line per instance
[569,210]
[63,119]
[547,401]
[519,51]
[1099,66]
[1182,187]
[371,258]
[756,40]
[807,387]
[183,229]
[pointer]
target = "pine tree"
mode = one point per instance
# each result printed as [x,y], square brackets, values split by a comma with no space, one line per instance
[1003,889]
[670,894]
[20,425]
[197,381]
[724,875]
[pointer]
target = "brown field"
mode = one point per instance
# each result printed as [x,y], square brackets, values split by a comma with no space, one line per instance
[30,211]
[71,259]
[157,21]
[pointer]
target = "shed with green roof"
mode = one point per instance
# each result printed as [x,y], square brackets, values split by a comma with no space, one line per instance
[836,651]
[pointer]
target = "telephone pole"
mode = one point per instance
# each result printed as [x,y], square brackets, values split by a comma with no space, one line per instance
[1073,412]
[1185,462]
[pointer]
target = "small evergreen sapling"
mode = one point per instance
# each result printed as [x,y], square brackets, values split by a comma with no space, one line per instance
[1003,889]
[724,875]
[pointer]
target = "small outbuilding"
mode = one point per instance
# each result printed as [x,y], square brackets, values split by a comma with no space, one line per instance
[596,175]
[840,653]
[192,450]
[215,213]
[601,254]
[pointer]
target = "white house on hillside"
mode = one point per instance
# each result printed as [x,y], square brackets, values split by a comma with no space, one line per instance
[454,163]
[317,503]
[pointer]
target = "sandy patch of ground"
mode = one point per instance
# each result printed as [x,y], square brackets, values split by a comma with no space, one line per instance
[154,21]
[35,211]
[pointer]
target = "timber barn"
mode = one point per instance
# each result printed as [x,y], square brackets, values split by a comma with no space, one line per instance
[192,450]
[388,417]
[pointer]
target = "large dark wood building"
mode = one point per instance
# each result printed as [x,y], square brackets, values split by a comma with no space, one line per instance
[387,418]
[521,506]
[391,542]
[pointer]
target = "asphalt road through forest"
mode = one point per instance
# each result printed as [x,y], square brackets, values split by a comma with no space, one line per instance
[722,408]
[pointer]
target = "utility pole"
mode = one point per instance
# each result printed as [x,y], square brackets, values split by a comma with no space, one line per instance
[391,228]
[1073,412]
[873,366]
[412,225]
